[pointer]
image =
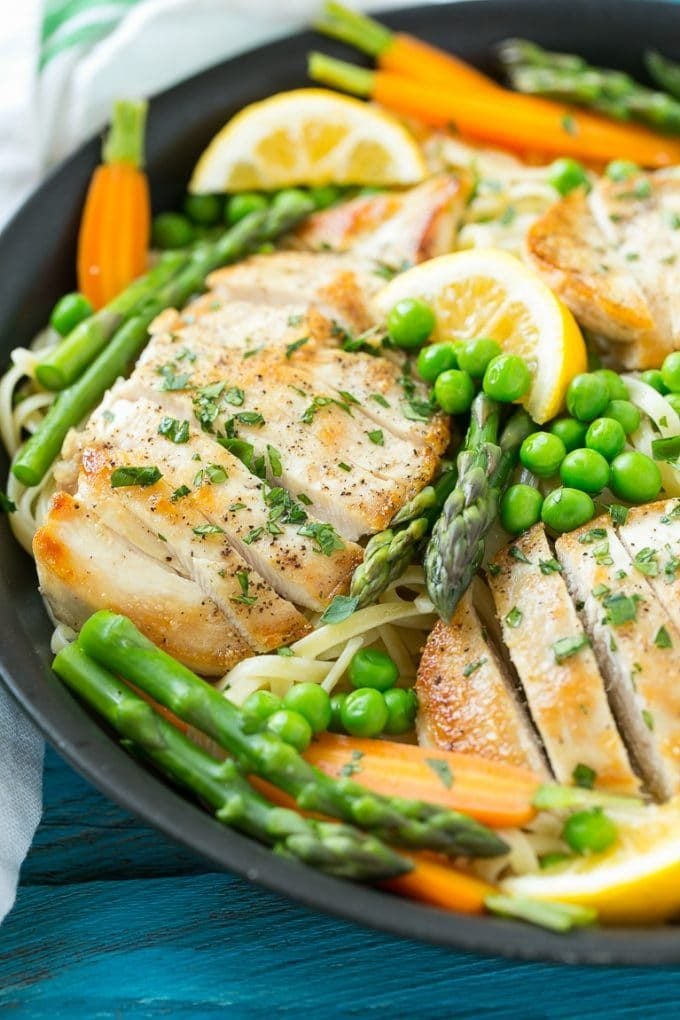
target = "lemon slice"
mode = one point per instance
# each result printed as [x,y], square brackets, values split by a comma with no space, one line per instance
[308,136]
[490,293]
[636,882]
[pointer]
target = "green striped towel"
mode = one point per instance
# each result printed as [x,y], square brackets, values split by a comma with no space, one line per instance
[68,24]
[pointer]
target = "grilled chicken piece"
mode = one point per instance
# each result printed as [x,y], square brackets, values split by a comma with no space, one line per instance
[466,699]
[637,645]
[651,535]
[613,256]
[397,229]
[218,490]
[339,285]
[84,566]
[557,668]
[356,476]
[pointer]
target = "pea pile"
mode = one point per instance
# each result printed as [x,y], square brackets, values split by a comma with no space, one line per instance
[374,706]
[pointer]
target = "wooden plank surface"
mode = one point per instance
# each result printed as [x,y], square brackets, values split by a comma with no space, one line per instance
[113,920]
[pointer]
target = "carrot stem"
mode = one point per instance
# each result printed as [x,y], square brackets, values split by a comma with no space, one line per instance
[353,28]
[125,140]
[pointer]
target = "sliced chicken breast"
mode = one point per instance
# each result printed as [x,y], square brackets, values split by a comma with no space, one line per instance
[84,566]
[397,229]
[556,666]
[651,536]
[637,645]
[466,699]
[613,256]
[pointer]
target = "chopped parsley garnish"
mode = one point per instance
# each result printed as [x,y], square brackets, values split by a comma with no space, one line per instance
[253,536]
[208,529]
[240,448]
[550,566]
[518,555]
[7,506]
[173,380]
[174,430]
[645,561]
[249,418]
[234,395]
[212,474]
[252,351]
[507,216]
[666,449]
[244,583]
[274,460]
[584,776]
[514,617]
[206,407]
[186,355]
[600,590]
[353,766]
[317,403]
[602,555]
[569,124]
[236,506]
[325,537]
[296,345]
[341,608]
[618,513]
[349,397]
[377,437]
[143,476]
[282,507]
[648,719]
[417,410]
[343,466]
[183,490]
[593,535]
[285,653]
[304,498]
[442,771]
[621,608]
[379,399]
[294,320]
[472,667]
[568,646]
[662,638]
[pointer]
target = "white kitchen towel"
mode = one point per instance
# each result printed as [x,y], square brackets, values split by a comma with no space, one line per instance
[62,63]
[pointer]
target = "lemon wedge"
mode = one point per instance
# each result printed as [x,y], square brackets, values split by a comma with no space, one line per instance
[488,292]
[637,881]
[308,137]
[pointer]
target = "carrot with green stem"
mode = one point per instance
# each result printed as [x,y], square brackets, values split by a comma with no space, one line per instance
[114,233]
[501,117]
[399,52]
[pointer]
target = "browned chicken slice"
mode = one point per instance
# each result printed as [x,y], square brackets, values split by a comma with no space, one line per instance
[84,566]
[613,256]
[262,523]
[466,699]
[651,535]
[397,229]
[556,666]
[323,444]
[637,645]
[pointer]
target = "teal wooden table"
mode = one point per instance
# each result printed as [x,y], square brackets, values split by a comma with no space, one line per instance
[112,920]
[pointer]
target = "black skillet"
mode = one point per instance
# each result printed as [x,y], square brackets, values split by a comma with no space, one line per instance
[37,255]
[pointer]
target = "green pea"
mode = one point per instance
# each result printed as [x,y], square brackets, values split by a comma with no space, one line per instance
[434,359]
[291,727]
[567,174]
[258,706]
[402,706]
[571,431]
[542,453]
[674,400]
[654,378]
[69,311]
[172,230]
[507,378]
[587,396]
[565,509]
[589,831]
[586,470]
[625,413]
[410,323]
[520,508]
[615,384]
[325,195]
[312,702]
[337,702]
[606,436]
[372,668]
[474,355]
[670,372]
[364,713]
[635,477]
[205,210]
[239,206]
[454,391]
[621,170]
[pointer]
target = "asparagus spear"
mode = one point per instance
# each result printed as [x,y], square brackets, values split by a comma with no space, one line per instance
[115,643]
[390,552]
[571,79]
[72,404]
[664,72]
[456,548]
[339,850]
